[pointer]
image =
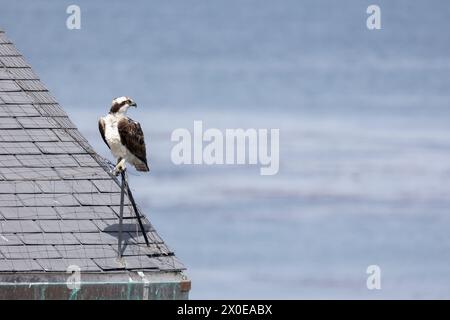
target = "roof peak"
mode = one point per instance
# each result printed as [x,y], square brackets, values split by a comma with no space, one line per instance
[58,203]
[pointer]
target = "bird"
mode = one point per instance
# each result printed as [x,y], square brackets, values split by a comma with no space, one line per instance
[124,136]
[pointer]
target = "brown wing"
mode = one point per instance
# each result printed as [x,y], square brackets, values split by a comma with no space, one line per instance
[132,137]
[101,128]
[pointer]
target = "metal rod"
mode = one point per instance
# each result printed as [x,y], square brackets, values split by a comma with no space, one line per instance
[122,197]
[130,196]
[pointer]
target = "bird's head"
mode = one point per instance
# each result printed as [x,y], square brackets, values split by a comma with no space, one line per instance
[120,105]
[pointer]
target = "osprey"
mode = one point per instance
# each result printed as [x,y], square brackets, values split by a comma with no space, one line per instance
[124,136]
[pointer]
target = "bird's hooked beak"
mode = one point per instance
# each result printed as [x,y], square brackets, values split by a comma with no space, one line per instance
[133,104]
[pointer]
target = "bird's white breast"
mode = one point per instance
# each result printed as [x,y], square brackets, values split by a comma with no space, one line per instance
[112,135]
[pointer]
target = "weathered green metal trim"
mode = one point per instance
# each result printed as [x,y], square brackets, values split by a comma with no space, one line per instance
[169,286]
[100,291]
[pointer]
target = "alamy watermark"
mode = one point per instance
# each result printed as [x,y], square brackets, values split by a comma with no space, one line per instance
[374,279]
[373,21]
[232,147]
[73,282]
[73,21]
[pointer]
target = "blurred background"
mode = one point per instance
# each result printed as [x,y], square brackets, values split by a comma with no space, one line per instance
[364,133]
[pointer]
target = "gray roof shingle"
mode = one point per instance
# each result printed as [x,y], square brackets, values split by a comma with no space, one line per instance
[58,203]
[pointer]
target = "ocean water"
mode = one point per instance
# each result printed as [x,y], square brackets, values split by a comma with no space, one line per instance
[364,133]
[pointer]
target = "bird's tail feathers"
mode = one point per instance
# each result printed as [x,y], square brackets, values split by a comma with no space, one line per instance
[142,167]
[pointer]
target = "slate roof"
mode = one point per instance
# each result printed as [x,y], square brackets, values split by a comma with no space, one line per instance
[58,204]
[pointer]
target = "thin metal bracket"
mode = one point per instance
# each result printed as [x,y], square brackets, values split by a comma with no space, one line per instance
[122,197]
[124,185]
[136,211]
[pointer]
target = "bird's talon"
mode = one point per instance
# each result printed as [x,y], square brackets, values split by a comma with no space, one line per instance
[120,167]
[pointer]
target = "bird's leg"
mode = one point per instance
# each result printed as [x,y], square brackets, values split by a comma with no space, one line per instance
[119,167]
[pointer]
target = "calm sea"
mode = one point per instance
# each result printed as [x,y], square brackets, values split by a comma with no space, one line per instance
[364,133]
